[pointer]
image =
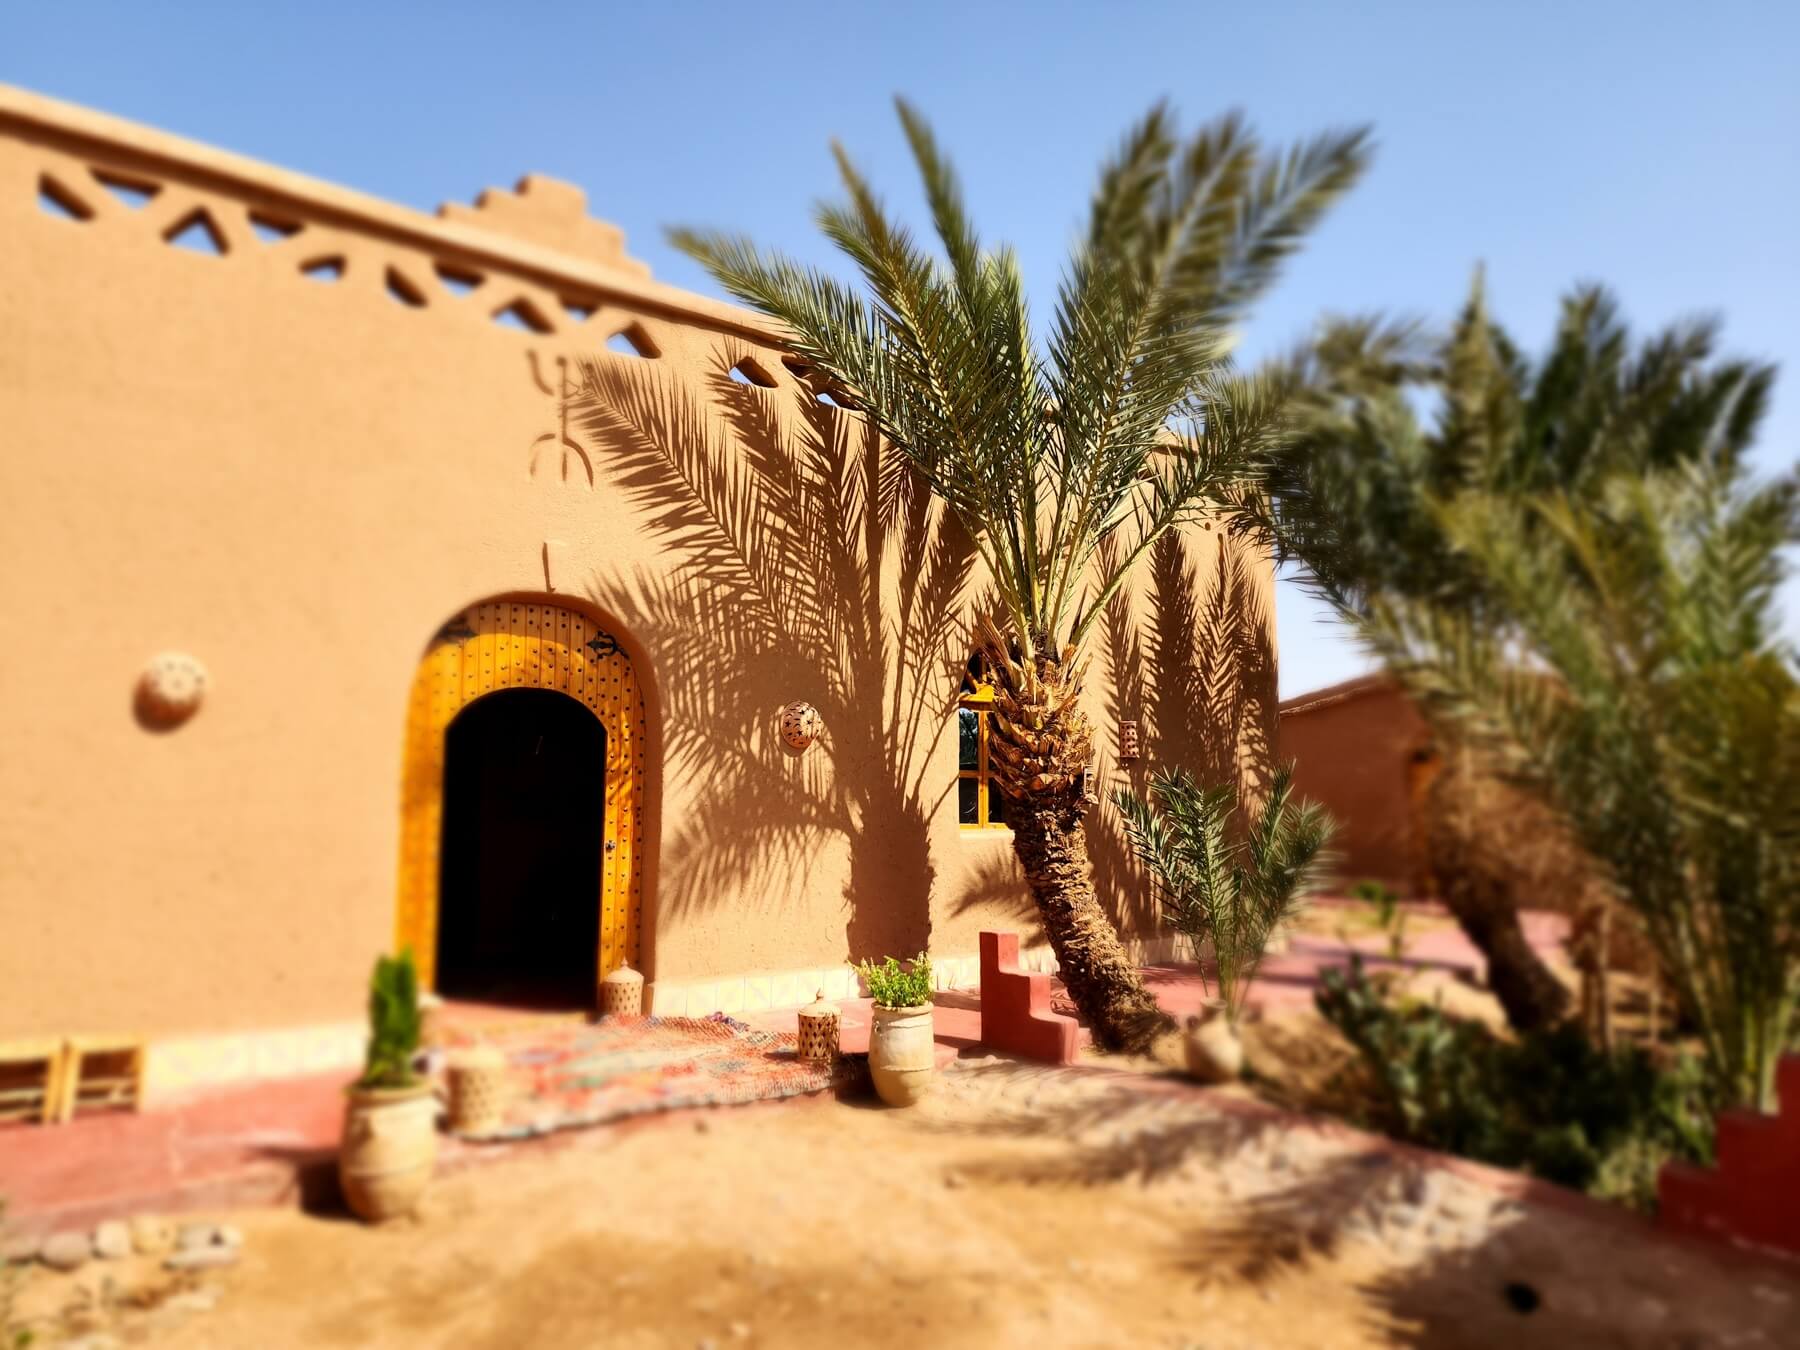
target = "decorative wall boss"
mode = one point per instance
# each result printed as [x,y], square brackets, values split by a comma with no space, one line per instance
[800,725]
[171,689]
[556,566]
[1130,741]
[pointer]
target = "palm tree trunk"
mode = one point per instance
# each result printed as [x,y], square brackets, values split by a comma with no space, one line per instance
[1051,843]
[1041,743]
[1474,879]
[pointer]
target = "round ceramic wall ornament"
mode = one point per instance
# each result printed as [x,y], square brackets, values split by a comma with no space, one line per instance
[801,725]
[171,688]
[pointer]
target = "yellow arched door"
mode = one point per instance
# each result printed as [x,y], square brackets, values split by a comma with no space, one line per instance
[520,645]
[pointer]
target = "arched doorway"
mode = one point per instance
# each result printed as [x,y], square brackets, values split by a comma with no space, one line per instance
[522,645]
[519,866]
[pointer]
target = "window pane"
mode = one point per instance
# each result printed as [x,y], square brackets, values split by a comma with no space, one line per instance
[996,806]
[968,792]
[968,732]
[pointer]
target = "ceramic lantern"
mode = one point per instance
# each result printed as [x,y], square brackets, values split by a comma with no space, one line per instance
[819,1023]
[622,994]
[480,1090]
[1129,742]
[171,688]
[801,725]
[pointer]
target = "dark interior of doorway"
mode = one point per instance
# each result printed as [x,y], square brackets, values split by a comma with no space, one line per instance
[519,880]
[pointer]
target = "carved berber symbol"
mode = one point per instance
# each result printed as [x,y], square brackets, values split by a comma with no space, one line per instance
[563,391]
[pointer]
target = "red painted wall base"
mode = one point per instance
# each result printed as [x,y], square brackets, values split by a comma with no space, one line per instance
[1753,1195]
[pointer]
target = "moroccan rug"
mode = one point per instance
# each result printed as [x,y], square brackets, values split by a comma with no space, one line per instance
[566,1075]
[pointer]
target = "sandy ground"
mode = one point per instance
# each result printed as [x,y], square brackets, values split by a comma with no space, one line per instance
[1019,1206]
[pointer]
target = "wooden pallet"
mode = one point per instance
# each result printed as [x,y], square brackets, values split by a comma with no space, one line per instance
[52,1078]
[101,1073]
[31,1079]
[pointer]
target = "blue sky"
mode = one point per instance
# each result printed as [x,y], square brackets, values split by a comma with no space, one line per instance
[1652,146]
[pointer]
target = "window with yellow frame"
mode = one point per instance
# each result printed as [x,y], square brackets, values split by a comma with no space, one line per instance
[980,805]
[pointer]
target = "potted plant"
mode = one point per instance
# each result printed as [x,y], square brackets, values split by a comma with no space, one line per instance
[1226,878]
[390,1117]
[902,1049]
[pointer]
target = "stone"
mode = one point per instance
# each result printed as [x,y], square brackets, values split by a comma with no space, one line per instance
[21,1248]
[203,1299]
[151,1236]
[192,1237]
[112,1240]
[66,1251]
[202,1258]
[94,1340]
[226,1235]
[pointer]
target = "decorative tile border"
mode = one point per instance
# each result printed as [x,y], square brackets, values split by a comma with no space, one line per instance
[177,1067]
[756,991]
[174,1068]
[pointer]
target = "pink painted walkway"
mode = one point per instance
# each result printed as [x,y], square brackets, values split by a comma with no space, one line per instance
[273,1142]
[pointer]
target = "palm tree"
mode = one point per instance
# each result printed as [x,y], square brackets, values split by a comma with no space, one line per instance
[1640,686]
[1359,495]
[1221,882]
[1065,462]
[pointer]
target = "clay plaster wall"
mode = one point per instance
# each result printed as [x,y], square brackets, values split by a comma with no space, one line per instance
[298,479]
[1354,746]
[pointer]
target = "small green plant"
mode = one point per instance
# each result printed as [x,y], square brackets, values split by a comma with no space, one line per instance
[1221,884]
[393,1023]
[1389,917]
[892,985]
[1550,1102]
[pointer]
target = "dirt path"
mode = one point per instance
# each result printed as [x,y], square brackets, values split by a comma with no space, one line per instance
[1021,1206]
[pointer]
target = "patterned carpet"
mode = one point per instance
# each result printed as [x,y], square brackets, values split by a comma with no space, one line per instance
[567,1075]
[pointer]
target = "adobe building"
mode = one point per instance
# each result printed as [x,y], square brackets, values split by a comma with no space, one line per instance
[381,579]
[1362,751]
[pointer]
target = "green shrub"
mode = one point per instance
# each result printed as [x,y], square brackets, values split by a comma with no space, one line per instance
[1549,1102]
[892,985]
[393,1023]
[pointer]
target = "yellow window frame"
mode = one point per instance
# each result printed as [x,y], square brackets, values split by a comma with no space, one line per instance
[979,701]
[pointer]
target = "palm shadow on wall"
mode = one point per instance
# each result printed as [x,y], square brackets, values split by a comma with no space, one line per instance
[1199,675]
[1197,671]
[789,523]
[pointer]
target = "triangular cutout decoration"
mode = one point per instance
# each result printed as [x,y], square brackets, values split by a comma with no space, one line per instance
[633,341]
[403,290]
[272,229]
[579,310]
[197,233]
[456,280]
[523,315]
[57,200]
[748,372]
[133,192]
[323,269]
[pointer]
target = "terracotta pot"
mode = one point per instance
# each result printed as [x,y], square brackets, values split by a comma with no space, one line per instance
[1214,1052]
[388,1151]
[902,1054]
